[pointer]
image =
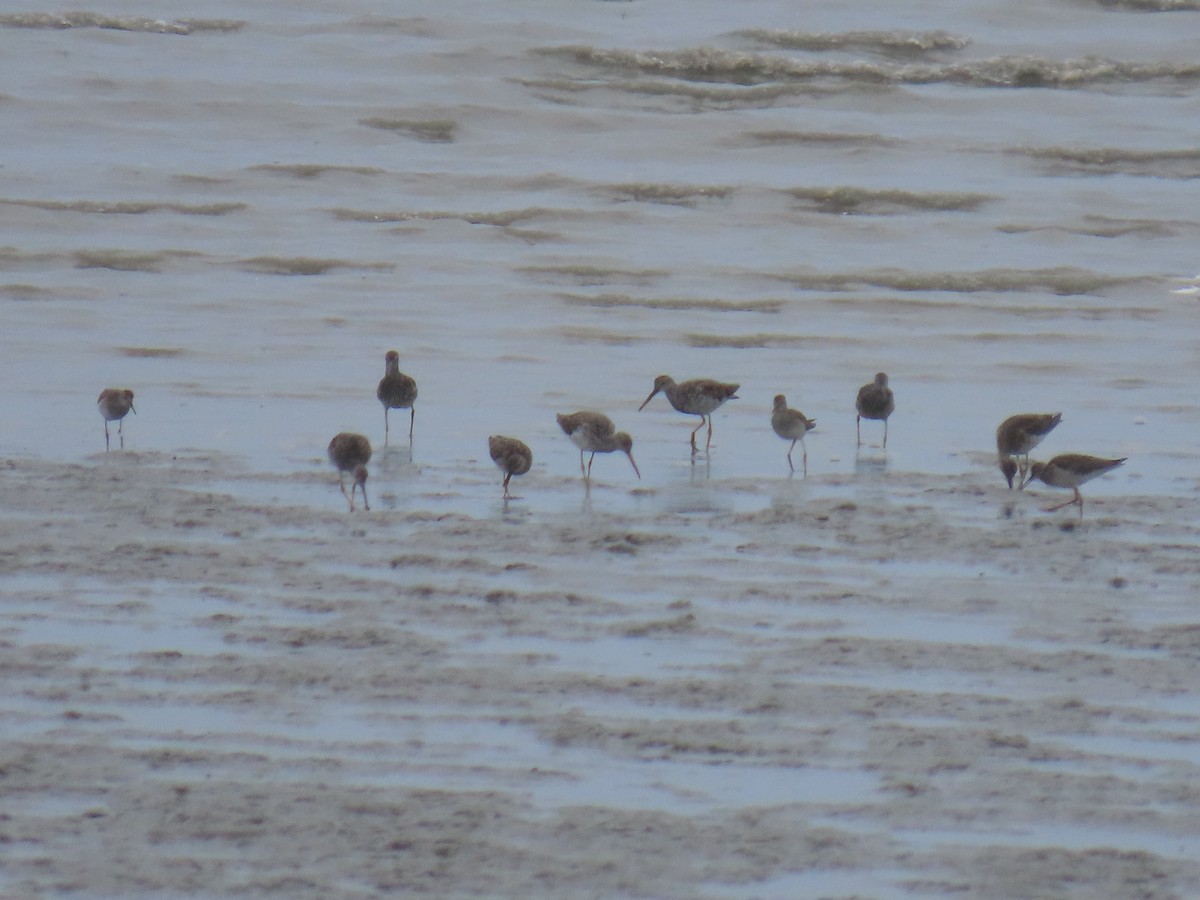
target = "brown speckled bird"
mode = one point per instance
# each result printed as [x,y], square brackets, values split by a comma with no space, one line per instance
[1016,436]
[1070,470]
[593,433]
[512,456]
[791,425]
[350,453]
[875,401]
[698,397]
[396,391]
[114,404]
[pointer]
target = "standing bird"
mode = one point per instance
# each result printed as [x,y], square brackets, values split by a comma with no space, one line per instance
[1070,470]
[396,391]
[512,456]
[1016,436]
[593,433]
[875,401]
[114,404]
[791,425]
[351,453]
[698,397]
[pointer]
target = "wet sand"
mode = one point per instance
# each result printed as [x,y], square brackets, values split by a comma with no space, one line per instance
[894,678]
[886,684]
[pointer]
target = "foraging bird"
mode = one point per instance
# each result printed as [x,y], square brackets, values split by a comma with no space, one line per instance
[351,453]
[791,425]
[875,401]
[594,432]
[512,456]
[1070,470]
[1016,436]
[698,397]
[396,391]
[114,404]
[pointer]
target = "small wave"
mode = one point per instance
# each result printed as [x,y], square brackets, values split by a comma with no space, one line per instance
[1151,5]
[25,291]
[890,43]
[128,260]
[1111,160]
[501,218]
[705,96]
[709,64]
[151,352]
[305,265]
[1065,281]
[429,131]
[314,170]
[128,208]
[586,275]
[1105,227]
[754,341]
[863,201]
[608,301]
[12,258]
[818,138]
[670,194]
[582,335]
[117,23]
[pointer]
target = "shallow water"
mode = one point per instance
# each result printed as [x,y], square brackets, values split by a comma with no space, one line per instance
[236,209]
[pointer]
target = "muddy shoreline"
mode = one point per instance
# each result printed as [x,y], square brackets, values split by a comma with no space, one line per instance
[917,687]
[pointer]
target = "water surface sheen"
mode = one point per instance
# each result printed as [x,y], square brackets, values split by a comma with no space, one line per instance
[235,210]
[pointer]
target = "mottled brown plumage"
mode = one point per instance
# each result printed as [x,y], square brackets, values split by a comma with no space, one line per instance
[593,433]
[1016,436]
[1070,470]
[351,453]
[875,401]
[698,397]
[114,404]
[396,391]
[512,456]
[791,425]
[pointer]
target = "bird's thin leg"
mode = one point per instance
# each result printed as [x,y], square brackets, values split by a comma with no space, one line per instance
[804,447]
[1078,498]
[790,449]
[885,434]
[858,429]
[106,435]
[708,443]
[697,428]
[588,476]
[366,505]
[385,425]
[506,480]
[581,470]
[412,418]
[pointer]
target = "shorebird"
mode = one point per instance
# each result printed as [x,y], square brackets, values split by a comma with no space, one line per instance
[875,401]
[1016,436]
[114,404]
[791,425]
[699,397]
[1070,470]
[594,432]
[512,456]
[396,391]
[351,453]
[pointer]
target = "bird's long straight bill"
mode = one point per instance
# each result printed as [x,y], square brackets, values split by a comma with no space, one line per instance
[647,400]
[632,463]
